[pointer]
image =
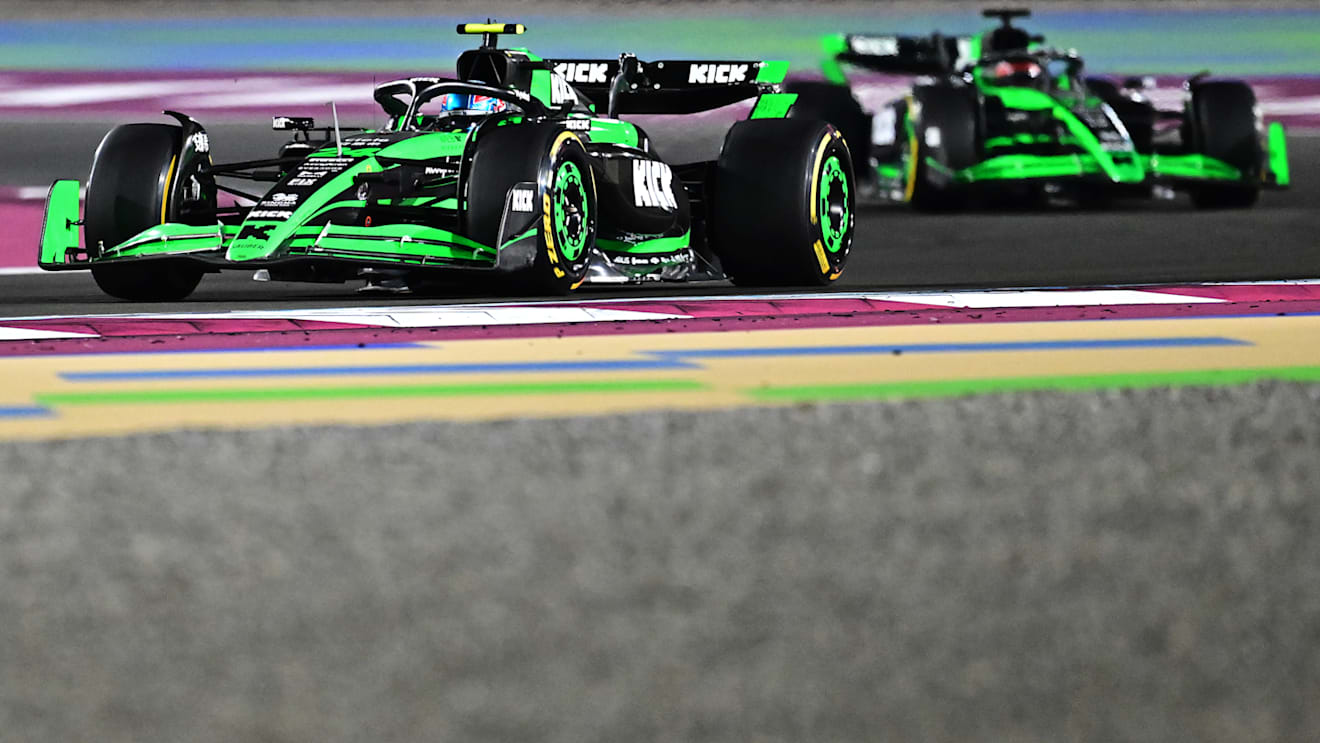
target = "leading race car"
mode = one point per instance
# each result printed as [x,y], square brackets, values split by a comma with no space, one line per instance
[1001,115]
[519,169]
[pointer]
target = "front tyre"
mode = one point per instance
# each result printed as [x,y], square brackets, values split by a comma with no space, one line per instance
[556,160]
[784,203]
[1222,123]
[133,177]
[943,131]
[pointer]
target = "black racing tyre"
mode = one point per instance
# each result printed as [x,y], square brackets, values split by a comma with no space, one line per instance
[556,160]
[784,203]
[944,130]
[833,103]
[1222,123]
[133,175]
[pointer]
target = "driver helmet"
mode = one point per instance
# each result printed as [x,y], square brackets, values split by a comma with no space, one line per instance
[472,102]
[1017,72]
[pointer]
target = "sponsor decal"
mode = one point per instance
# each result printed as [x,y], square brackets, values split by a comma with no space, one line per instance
[561,91]
[584,72]
[523,200]
[301,181]
[436,171]
[578,125]
[653,185]
[282,198]
[269,214]
[624,259]
[879,46]
[320,165]
[200,142]
[255,232]
[707,74]
[366,141]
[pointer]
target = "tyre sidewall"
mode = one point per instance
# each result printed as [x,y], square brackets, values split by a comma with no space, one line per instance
[1223,126]
[952,111]
[529,153]
[769,176]
[836,104]
[131,179]
[134,186]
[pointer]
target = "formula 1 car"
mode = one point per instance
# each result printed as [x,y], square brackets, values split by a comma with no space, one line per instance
[508,171]
[1000,114]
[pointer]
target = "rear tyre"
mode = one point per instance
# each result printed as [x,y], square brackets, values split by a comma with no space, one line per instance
[556,160]
[133,175]
[1222,123]
[943,131]
[784,203]
[822,101]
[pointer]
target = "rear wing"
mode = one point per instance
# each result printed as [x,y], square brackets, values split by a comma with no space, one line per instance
[935,54]
[673,86]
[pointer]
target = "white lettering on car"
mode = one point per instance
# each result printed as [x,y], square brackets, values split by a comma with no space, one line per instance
[653,185]
[589,73]
[710,74]
[523,200]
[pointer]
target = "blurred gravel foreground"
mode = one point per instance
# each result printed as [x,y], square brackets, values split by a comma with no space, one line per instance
[1124,565]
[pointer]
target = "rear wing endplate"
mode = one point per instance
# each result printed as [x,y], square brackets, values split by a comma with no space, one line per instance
[901,55]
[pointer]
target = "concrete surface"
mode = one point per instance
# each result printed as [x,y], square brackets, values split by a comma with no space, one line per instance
[1136,566]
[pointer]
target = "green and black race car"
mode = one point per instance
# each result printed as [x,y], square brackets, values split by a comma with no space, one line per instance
[1001,115]
[520,169]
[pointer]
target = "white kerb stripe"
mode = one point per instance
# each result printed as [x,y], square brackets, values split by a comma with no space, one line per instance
[1085,298]
[27,334]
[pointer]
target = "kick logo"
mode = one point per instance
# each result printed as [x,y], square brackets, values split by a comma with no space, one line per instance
[705,74]
[561,91]
[584,72]
[653,185]
[522,201]
[255,231]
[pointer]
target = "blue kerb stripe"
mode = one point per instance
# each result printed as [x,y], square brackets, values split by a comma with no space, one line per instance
[24,411]
[1068,345]
[342,371]
[658,360]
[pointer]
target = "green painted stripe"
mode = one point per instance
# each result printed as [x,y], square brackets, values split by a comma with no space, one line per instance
[773,105]
[1278,155]
[290,394]
[59,226]
[956,387]
[772,72]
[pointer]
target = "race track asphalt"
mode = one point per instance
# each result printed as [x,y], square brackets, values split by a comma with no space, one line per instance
[1135,243]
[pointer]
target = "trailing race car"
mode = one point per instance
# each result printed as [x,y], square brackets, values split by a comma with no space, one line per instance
[1000,114]
[508,171]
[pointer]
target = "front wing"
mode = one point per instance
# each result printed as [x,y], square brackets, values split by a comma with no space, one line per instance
[401,245]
